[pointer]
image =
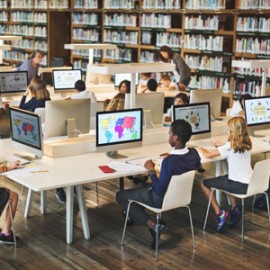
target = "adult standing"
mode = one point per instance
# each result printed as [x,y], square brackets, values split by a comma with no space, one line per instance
[32,64]
[183,73]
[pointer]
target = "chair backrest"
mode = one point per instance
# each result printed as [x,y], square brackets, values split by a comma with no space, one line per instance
[41,113]
[179,191]
[259,181]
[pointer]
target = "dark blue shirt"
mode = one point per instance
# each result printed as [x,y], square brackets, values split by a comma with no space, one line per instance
[174,165]
[32,104]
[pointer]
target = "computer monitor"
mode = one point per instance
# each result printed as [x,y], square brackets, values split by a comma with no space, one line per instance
[213,96]
[257,113]
[117,130]
[152,105]
[198,115]
[65,79]
[26,131]
[12,82]
[67,117]
[118,78]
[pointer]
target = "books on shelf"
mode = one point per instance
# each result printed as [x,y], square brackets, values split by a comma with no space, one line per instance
[85,18]
[254,4]
[91,4]
[125,37]
[21,56]
[57,4]
[201,22]
[3,4]
[204,62]
[91,35]
[22,4]
[172,40]
[253,24]
[147,57]
[156,20]
[253,45]
[22,16]
[116,4]
[85,53]
[161,4]
[120,19]
[4,16]
[122,55]
[41,4]
[205,4]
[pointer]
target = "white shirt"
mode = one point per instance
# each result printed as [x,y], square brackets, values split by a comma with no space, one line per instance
[85,94]
[239,164]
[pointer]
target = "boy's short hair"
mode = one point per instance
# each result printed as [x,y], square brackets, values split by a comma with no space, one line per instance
[152,85]
[80,85]
[182,129]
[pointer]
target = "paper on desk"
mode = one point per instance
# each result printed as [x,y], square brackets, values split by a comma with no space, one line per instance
[122,166]
[22,172]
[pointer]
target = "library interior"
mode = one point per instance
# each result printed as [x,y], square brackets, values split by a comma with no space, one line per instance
[113,112]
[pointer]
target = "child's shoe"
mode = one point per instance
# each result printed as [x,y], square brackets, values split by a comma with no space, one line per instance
[235,216]
[221,219]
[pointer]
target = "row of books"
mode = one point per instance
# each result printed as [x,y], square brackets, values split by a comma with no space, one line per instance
[80,64]
[93,4]
[85,18]
[252,72]
[201,22]
[204,62]
[25,30]
[91,35]
[39,4]
[147,57]
[33,17]
[205,4]
[161,4]
[254,4]
[245,87]
[30,44]
[200,42]
[21,56]
[207,82]
[120,19]
[124,37]
[116,4]
[253,45]
[253,24]
[3,4]
[85,53]
[156,20]
[4,16]
[172,40]
[119,55]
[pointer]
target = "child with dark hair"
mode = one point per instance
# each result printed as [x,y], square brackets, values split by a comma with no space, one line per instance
[151,86]
[181,160]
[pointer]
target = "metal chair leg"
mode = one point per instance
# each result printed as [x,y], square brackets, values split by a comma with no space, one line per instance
[157,233]
[242,233]
[208,207]
[267,203]
[191,227]
[124,231]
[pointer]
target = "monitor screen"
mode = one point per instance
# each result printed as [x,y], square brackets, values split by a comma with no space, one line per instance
[118,78]
[214,96]
[119,129]
[197,114]
[67,117]
[26,130]
[13,81]
[65,79]
[257,110]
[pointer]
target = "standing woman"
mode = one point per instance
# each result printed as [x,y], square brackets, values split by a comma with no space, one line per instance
[39,95]
[183,72]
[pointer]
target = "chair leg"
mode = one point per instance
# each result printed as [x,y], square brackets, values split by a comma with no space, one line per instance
[124,230]
[253,203]
[157,233]
[242,233]
[191,227]
[208,206]
[12,223]
[267,203]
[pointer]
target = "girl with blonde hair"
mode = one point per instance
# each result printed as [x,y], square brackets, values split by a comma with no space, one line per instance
[39,95]
[237,151]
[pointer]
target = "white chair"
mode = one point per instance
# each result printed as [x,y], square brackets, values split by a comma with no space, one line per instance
[41,113]
[177,195]
[259,183]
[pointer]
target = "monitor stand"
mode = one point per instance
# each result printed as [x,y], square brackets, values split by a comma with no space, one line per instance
[72,130]
[115,155]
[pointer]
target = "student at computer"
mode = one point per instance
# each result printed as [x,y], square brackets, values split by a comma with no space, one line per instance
[118,101]
[151,86]
[238,106]
[142,86]
[6,195]
[181,160]
[179,99]
[167,84]
[82,92]
[32,64]
[237,151]
[183,72]
[39,95]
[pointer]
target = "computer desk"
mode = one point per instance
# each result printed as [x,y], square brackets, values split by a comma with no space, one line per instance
[74,171]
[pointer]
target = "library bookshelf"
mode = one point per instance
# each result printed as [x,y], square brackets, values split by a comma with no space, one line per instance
[209,34]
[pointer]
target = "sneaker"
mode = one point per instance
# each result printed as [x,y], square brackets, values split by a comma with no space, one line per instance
[235,216]
[157,229]
[61,195]
[221,219]
[8,239]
